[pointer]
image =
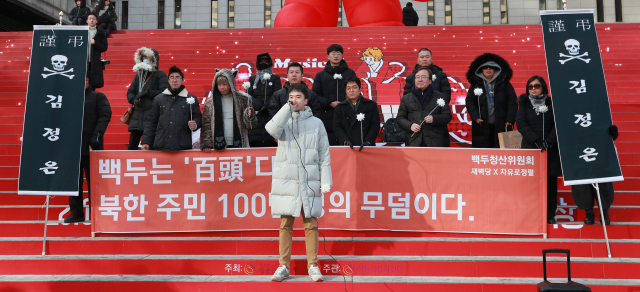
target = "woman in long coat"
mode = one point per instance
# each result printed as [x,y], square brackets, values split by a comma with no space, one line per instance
[536,123]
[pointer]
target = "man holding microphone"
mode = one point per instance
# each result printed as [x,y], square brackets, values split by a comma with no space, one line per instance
[302,173]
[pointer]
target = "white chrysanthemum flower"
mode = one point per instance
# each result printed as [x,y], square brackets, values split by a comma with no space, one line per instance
[266,76]
[246,84]
[544,109]
[433,77]
[325,188]
[142,66]
[337,76]
[360,117]
[191,100]
[440,102]
[477,91]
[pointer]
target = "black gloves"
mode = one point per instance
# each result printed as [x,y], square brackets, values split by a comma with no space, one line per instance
[95,142]
[348,143]
[541,144]
[613,131]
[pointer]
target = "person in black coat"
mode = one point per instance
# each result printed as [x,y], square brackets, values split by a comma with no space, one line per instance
[347,128]
[439,83]
[423,113]
[107,16]
[281,97]
[172,118]
[409,15]
[147,84]
[491,102]
[329,83]
[536,123]
[97,115]
[585,195]
[261,90]
[78,14]
[98,46]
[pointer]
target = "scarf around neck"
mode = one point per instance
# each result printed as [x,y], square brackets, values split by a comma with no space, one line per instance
[537,102]
[260,77]
[219,142]
[175,93]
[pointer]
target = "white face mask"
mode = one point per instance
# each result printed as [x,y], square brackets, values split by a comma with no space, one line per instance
[145,61]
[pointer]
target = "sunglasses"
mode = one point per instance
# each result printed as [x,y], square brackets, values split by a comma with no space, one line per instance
[535,86]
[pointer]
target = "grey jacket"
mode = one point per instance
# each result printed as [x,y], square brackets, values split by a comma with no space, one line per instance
[302,165]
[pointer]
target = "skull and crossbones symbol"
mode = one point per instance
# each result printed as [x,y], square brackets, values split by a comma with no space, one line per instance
[58,62]
[573,47]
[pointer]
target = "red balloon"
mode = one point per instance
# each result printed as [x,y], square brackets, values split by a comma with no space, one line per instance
[324,13]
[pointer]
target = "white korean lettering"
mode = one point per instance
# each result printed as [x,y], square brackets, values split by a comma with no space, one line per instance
[556,26]
[110,168]
[584,120]
[403,202]
[134,200]
[580,86]
[49,167]
[230,168]
[205,168]
[54,134]
[443,208]
[135,175]
[57,99]
[343,201]
[372,210]
[168,200]
[110,205]
[194,205]
[156,172]
[589,154]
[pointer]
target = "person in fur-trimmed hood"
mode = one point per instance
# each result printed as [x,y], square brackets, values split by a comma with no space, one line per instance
[261,90]
[492,101]
[148,83]
[227,116]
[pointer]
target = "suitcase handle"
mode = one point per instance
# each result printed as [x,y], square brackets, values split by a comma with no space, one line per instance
[555,250]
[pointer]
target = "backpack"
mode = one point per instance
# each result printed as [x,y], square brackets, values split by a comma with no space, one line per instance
[392,132]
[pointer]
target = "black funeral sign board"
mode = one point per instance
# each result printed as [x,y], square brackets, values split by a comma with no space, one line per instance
[52,133]
[580,98]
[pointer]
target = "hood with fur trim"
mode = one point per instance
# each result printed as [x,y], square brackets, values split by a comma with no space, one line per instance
[230,74]
[151,55]
[505,70]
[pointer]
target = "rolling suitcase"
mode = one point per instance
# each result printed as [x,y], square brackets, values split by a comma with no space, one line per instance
[547,286]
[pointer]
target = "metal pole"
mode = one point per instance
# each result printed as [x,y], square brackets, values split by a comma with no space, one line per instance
[46,217]
[606,238]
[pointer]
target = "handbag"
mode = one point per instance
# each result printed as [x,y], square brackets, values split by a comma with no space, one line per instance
[126,116]
[510,139]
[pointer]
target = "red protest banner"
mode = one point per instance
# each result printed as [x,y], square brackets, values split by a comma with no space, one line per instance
[387,188]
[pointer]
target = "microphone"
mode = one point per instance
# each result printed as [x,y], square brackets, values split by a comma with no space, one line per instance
[291,102]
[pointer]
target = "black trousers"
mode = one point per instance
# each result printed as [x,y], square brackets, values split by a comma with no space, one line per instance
[134,139]
[265,143]
[108,27]
[79,21]
[586,195]
[75,203]
[445,137]
[552,196]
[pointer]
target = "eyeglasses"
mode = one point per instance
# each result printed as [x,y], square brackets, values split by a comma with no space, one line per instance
[335,54]
[175,78]
[535,86]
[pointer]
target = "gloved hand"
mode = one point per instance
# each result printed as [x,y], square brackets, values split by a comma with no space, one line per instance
[613,131]
[143,93]
[95,142]
[545,146]
[136,101]
[540,144]
[348,143]
[219,143]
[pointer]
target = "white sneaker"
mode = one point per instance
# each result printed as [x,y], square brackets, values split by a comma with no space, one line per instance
[281,273]
[314,273]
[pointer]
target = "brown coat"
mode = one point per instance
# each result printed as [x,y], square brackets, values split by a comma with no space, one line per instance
[241,100]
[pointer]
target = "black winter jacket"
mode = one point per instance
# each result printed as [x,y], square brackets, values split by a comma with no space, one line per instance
[347,127]
[411,111]
[281,97]
[79,12]
[109,17]
[531,126]
[261,99]
[505,101]
[167,127]
[157,83]
[441,83]
[97,115]
[410,16]
[100,46]
[325,85]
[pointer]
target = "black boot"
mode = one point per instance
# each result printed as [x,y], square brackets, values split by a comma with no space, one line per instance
[590,218]
[74,219]
[607,221]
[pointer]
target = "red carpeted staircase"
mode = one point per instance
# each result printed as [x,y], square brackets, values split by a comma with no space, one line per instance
[371,261]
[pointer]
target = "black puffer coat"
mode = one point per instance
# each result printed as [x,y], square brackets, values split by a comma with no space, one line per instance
[155,85]
[505,101]
[409,16]
[281,97]
[332,90]
[108,17]
[261,98]
[100,46]
[97,115]
[347,127]
[411,111]
[79,12]
[531,126]
[167,127]
[441,83]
